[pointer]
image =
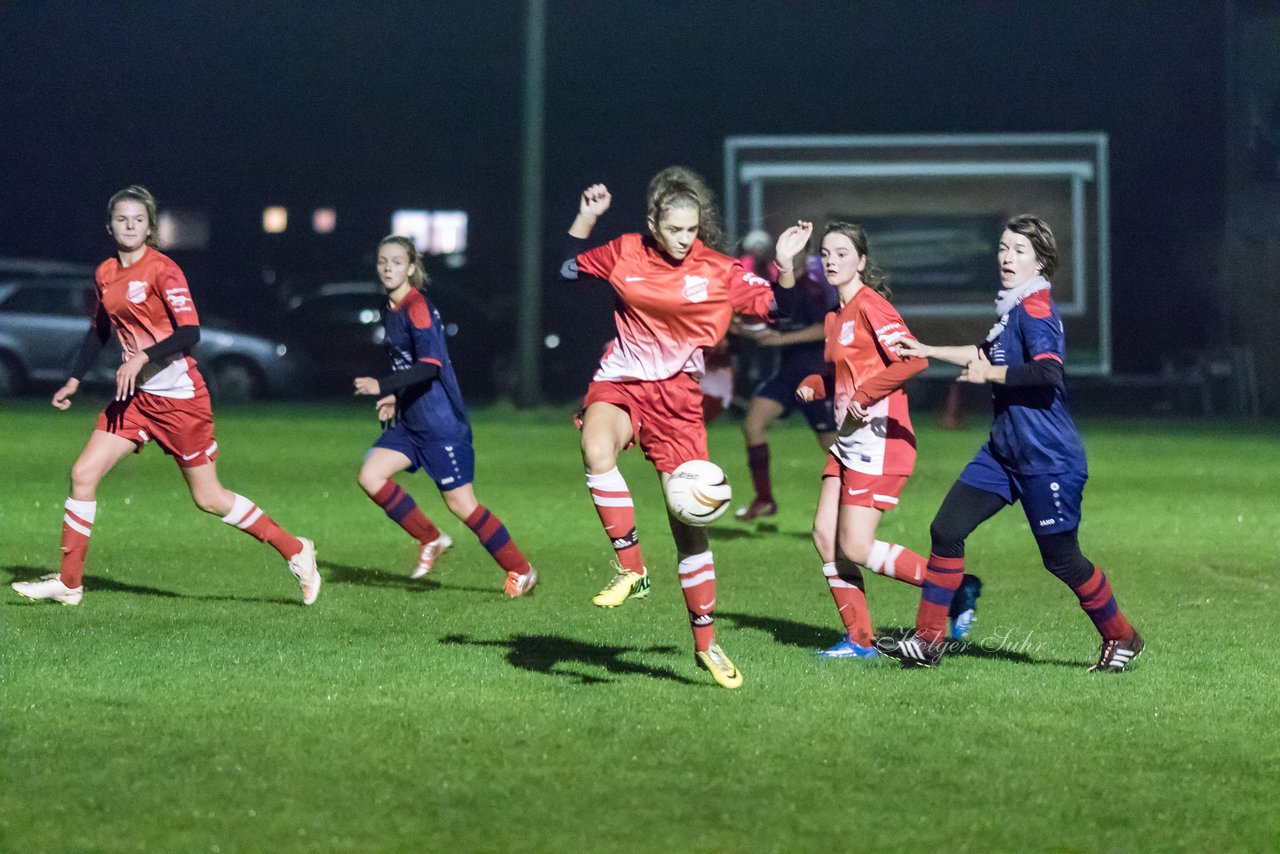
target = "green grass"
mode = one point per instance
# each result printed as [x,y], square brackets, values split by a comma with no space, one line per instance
[191,704]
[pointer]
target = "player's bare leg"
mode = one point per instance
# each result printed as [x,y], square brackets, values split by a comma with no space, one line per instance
[606,431]
[100,455]
[697,571]
[211,496]
[376,473]
[493,535]
[842,575]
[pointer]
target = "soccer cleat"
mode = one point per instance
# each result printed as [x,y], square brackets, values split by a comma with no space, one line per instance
[964,607]
[847,648]
[520,583]
[714,661]
[303,566]
[625,585]
[1115,655]
[430,552]
[50,587]
[756,510]
[911,651]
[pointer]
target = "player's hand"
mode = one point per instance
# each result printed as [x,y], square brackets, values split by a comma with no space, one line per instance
[978,371]
[367,385]
[386,407]
[910,347]
[858,411]
[62,397]
[127,375]
[595,201]
[791,243]
[804,394]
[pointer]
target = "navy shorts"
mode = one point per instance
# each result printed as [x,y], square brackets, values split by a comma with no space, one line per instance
[781,387]
[449,464]
[1050,501]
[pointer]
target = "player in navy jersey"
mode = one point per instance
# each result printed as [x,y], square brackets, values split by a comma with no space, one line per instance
[1034,455]
[798,337]
[426,425]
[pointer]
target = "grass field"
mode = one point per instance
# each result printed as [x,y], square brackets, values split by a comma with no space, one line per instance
[191,704]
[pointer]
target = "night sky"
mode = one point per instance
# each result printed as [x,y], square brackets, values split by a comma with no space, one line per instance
[373,106]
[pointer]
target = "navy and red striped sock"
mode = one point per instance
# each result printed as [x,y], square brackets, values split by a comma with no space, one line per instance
[403,510]
[942,577]
[1099,603]
[493,535]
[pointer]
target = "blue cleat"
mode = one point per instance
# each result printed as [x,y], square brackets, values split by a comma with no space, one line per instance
[848,649]
[964,607]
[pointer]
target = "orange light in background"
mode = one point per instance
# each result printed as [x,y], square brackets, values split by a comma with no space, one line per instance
[275,219]
[324,220]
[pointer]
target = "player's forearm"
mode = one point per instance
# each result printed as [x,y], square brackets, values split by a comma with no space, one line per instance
[888,380]
[1040,372]
[814,332]
[94,340]
[397,381]
[955,355]
[181,341]
[582,226]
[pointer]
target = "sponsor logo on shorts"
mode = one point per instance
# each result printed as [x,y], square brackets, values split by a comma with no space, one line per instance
[1044,523]
[447,480]
[846,333]
[137,292]
[695,288]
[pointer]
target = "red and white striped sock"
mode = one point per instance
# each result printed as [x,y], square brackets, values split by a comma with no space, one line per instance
[851,602]
[698,584]
[894,561]
[249,518]
[77,526]
[617,513]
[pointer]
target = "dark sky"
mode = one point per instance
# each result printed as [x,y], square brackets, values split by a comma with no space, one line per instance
[373,106]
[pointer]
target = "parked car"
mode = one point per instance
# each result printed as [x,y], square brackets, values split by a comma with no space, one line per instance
[44,314]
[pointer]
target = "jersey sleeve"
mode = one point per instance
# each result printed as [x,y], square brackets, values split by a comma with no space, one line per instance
[599,262]
[748,293]
[886,324]
[177,296]
[428,341]
[1042,336]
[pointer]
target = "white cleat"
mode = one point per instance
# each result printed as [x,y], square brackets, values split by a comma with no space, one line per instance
[430,552]
[303,566]
[50,587]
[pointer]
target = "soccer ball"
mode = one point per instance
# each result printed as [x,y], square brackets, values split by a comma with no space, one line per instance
[698,493]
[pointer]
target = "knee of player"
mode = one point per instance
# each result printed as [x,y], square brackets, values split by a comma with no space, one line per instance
[599,455]
[856,548]
[825,542]
[215,501]
[461,506]
[370,482]
[85,476]
[943,538]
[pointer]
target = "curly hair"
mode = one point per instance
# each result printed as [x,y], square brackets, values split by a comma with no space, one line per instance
[678,187]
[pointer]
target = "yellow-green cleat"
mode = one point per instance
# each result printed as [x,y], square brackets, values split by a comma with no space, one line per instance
[625,585]
[715,662]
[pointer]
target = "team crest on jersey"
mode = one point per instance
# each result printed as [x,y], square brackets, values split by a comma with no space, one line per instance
[846,333]
[137,292]
[695,288]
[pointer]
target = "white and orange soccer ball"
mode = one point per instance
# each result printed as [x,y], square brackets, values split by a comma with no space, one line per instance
[698,492]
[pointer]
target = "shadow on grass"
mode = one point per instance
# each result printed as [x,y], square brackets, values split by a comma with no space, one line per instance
[339,573]
[98,583]
[727,533]
[788,632]
[555,656]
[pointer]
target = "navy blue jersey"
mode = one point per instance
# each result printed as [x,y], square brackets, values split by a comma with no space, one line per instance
[434,411]
[1033,433]
[804,305]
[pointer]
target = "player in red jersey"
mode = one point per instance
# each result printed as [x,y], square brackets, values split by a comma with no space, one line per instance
[875,449]
[160,396]
[675,297]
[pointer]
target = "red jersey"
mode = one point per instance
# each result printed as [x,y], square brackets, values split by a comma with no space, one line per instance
[859,339]
[145,302]
[668,311]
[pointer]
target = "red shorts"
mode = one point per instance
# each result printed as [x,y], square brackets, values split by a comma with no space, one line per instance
[183,427]
[666,417]
[880,491]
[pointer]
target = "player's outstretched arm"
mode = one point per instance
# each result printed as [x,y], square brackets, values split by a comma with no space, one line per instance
[593,203]
[908,347]
[791,243]
[62,397]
